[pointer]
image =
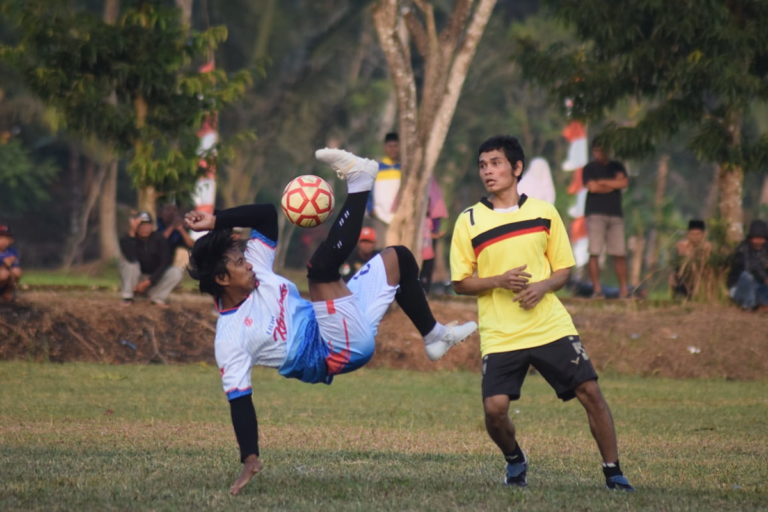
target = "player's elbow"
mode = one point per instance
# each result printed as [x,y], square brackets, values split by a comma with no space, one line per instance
[461,288]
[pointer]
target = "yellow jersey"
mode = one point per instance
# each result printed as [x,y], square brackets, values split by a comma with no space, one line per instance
[486,243]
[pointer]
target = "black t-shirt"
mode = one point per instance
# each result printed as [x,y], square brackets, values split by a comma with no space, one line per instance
[605,204]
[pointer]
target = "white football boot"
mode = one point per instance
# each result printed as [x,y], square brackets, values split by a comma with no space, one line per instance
[359,172]
[454,333]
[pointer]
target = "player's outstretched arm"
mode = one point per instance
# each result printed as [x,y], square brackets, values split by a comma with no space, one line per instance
[251,467]
[247,433]
[200,221]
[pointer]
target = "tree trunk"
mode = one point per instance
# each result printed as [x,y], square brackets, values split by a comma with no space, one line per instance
[108,239]
[186,11]
[92,181]
[109,248]
[447,57]
[731,184]
[652,253]
[636,246]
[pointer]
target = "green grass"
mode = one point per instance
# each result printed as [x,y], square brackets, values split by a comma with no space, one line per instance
[97,277]
[97,437]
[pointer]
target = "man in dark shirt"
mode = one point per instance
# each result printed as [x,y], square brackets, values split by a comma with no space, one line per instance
[145,266]
[748,275]
[604,180]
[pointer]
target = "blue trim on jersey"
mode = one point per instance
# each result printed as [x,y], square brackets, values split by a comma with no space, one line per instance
[237,393]
[307,351]
[256,235]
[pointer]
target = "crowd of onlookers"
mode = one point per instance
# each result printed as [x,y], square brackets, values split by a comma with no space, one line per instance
[154,255]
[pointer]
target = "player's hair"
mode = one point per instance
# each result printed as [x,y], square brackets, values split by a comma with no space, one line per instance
[207,259]
[391,137]
[508,144]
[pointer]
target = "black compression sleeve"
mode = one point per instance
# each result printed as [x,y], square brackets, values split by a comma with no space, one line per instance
[261,217]
[246,426]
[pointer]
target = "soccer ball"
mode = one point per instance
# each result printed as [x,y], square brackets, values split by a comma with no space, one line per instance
[307,201]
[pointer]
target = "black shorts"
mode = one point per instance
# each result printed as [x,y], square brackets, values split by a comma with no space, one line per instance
[563,363]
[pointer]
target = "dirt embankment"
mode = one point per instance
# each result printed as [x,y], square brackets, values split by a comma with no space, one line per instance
[628,337]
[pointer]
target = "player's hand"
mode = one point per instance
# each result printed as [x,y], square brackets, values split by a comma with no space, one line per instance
[143,286]
[133,225]
[532,294]
[200,221]
[515,279]
[251,467]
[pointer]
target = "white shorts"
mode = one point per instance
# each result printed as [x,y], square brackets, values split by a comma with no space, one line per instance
[349,324]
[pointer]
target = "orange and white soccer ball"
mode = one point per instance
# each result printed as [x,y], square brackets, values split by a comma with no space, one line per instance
[307,201]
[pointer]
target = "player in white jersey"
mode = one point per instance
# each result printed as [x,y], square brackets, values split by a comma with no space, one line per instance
[264,321]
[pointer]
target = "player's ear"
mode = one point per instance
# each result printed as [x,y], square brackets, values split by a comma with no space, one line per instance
[222,279]
[517,169]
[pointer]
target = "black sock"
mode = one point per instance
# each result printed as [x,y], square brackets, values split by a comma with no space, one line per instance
[410,297]
[611,469]
[516,456]
[341,241]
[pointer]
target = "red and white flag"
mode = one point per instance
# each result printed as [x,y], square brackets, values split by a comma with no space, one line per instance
[578,156]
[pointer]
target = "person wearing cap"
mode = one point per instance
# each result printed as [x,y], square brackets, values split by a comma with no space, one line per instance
[364,251]
[10,265]
[145,266]
[690,259]
[748,276]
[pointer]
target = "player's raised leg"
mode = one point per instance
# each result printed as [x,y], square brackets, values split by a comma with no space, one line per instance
[403,271]
[401,268]
[325,281]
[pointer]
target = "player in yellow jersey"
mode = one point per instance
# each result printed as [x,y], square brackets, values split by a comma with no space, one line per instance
[513,253]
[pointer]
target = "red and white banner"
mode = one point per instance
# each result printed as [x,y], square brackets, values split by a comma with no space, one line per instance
[204,196]
[578,156]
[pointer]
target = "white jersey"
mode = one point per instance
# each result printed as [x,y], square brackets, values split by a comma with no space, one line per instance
[261,330]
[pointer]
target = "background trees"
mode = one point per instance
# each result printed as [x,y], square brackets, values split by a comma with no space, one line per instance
[698,67]
[320,76]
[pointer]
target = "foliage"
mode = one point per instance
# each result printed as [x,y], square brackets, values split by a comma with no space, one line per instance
[89,436]
[131,87]
[697,64]
[23,180]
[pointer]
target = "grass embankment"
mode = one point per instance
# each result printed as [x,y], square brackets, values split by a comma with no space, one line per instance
[97,437]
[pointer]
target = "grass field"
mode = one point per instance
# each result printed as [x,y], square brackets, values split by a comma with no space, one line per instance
[96,437]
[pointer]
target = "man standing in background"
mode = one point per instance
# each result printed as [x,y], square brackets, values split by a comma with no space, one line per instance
[604,180]
[387,185]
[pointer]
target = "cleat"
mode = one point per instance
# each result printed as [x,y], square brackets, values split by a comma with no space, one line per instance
[347,164]
[618,483]
[454,333]
[516,473]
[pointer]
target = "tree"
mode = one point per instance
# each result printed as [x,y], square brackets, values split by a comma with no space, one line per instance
[424,119]
[696,65]
[129,86]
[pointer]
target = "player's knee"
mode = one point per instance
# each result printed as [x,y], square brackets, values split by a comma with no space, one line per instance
[322,266]
[409,269]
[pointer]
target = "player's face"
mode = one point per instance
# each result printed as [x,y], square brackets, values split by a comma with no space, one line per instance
[144,230]
[757,242]
[5,242]
[392,149]
[696,236]
[599,154]
[496,171]
[240,276]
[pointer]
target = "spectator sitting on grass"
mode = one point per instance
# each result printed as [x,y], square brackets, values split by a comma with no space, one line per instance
[748,276]
[689,260]
[145,266]
[10,265]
